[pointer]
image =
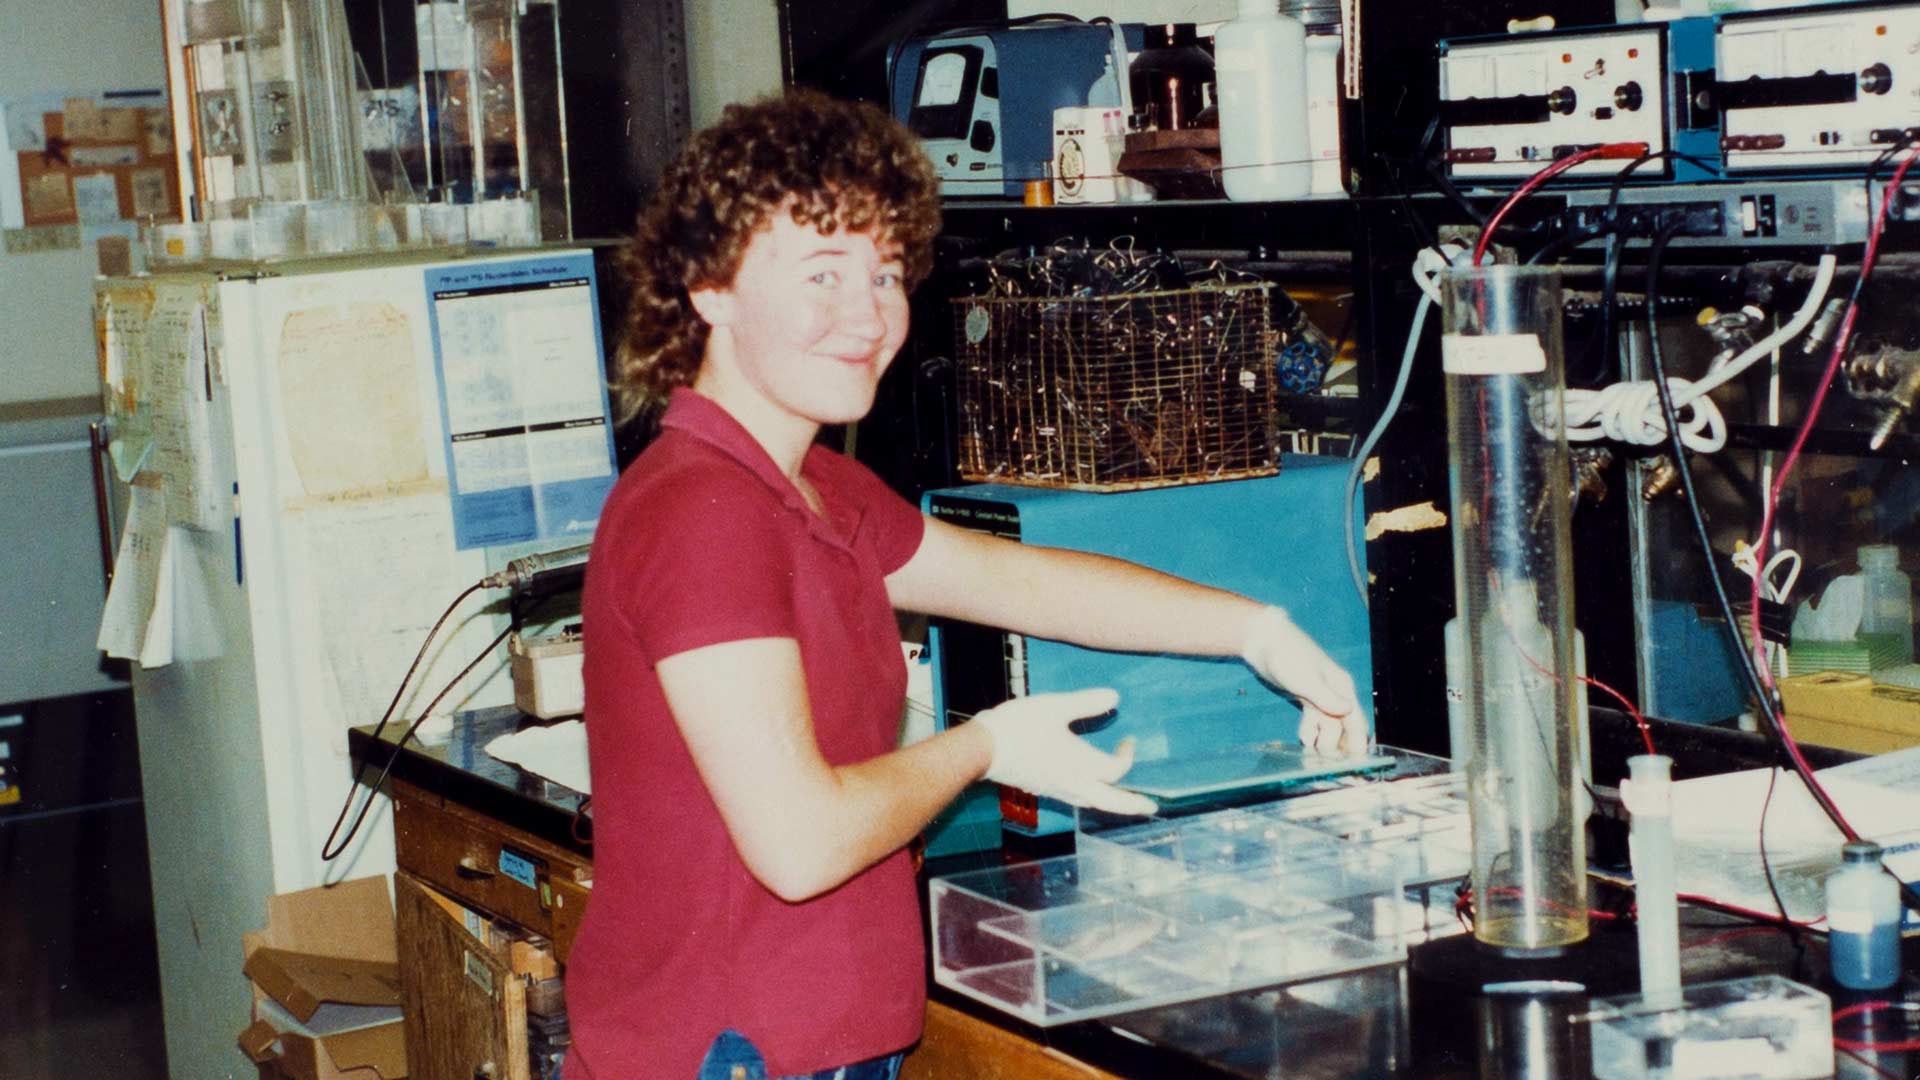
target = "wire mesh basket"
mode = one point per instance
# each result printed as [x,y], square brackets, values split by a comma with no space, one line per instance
[1106,393]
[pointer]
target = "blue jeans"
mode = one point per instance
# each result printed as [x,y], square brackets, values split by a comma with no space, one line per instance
[734,1057]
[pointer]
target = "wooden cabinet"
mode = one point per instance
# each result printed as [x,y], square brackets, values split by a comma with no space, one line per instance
[512,875]
[957,1046]
[466,1009]
[486,913]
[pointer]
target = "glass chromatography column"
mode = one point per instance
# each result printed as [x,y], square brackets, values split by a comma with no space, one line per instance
[1501,354]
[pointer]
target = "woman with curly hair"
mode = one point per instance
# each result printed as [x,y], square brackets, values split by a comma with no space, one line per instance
[753,909]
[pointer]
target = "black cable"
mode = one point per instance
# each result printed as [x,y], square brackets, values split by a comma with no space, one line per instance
[1671,415]
[398,692]
[1769,708]
[1438,175]
[1559,245]
[1766,866]
[373,792]
[1422,231]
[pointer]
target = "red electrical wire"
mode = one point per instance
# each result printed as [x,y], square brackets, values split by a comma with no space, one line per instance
[1840,343]
[1646,733]
[1897,1046]
[1532,184]
[1864,1007]
[1746,912]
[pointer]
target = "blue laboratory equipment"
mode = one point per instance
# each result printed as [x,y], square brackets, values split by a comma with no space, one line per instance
[1203,725]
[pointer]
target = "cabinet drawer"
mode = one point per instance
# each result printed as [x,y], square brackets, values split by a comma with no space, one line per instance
[486,865]
[466,1010]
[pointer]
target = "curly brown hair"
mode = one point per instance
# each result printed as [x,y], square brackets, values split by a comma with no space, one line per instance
[840,164]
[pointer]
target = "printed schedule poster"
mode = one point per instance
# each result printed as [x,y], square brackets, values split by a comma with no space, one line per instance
[523,398]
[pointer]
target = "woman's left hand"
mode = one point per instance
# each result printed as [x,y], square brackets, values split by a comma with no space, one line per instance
[1281,653]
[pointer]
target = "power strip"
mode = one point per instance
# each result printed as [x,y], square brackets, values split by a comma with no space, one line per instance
[1799,214]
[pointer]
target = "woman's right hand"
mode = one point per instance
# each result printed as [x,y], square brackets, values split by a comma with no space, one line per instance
[1034,750]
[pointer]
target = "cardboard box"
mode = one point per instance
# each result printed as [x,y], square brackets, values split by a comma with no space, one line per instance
[326,986]
[1851,712]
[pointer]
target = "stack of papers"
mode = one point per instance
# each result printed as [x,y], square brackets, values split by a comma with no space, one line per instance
[1716,826]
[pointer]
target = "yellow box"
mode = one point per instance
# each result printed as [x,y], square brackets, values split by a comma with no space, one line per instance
[1851,712]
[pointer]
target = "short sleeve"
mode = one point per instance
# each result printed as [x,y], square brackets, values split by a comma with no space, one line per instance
[889,522]
[699,559]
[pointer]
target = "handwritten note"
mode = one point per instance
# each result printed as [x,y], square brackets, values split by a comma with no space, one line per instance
[350,399]
[137,623]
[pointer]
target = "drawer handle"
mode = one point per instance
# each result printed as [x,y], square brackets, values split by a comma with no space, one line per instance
[470,869]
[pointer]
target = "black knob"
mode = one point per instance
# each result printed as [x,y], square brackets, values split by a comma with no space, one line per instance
[1877,79]
[1563,101]
[1629,96]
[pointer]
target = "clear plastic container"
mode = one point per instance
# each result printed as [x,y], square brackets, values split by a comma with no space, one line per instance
[1863,920]
[1501,358]
[1888,609]
[1763,1027]
[1260,64]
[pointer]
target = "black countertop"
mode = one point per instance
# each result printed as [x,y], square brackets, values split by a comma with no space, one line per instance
[453,763]
[1426,1018]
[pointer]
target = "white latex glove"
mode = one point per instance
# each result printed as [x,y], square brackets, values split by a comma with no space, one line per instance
[1034,751]
[1282,653]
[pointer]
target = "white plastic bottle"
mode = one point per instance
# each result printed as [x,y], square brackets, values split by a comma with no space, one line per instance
[1260,64]
[1888,607]
[1863,920]
[1323,112]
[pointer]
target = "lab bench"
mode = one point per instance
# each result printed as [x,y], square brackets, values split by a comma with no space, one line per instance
[458,810]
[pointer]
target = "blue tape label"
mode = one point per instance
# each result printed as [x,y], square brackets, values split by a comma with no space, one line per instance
[518,868]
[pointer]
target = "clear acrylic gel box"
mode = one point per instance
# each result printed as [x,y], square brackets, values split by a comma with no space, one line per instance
[1051,943]
[1165,911]
[1760,1028]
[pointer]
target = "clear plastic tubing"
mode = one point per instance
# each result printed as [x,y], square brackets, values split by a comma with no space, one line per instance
[1648,793]
[1502,359]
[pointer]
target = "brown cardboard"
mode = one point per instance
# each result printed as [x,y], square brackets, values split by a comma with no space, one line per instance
[331,944]
[302,982]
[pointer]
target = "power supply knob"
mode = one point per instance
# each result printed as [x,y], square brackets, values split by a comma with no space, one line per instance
[1877,79]
[1629,97]
[1563,101]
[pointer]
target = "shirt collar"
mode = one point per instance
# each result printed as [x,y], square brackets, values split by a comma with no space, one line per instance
[702,418]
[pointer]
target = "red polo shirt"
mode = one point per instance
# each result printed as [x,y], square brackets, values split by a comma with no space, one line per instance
[705,541]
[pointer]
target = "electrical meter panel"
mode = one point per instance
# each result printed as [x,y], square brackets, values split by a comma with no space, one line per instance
[1819,91]
[1830,88]
[1512,105]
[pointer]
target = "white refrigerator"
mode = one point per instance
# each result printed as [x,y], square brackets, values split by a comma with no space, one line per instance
[314,462]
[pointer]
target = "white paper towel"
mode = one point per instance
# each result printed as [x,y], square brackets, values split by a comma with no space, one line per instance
[557,752]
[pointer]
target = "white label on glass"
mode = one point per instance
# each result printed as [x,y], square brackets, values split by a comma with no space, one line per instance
[942,78]
[1491,354]
[1723,1057]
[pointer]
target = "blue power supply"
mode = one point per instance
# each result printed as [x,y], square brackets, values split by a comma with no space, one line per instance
[1818,91]
[1276,539]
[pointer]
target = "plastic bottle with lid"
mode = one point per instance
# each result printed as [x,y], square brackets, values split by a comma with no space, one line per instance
[1260,62]
[1863,920]
[1888,607]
